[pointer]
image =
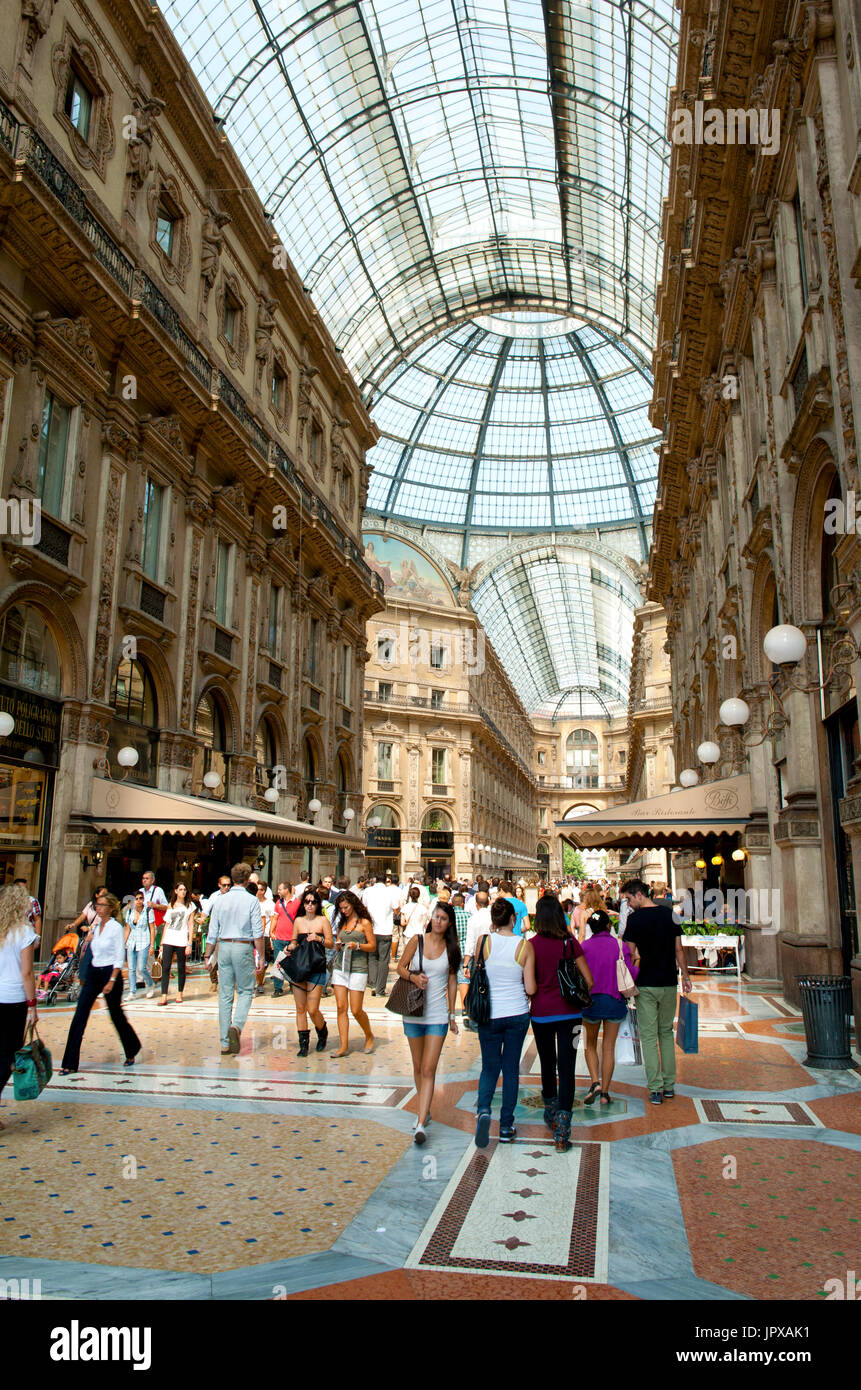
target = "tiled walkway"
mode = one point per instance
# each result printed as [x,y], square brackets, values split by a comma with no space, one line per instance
[271,1176]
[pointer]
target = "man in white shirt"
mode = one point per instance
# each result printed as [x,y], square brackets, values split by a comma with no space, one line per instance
[378,899]
[153,895]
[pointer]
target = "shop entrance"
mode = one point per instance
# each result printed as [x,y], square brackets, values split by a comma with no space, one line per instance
[435,868]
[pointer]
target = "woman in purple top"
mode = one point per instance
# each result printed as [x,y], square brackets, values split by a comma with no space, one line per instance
[555,1025]
[608,1007]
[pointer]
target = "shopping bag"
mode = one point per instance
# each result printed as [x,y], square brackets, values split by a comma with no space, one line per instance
[32,1069]
[687,1027]
[628,1050]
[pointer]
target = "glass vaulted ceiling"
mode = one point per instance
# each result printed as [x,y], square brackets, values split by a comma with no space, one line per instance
[429,162]
[517,423]
[426,160]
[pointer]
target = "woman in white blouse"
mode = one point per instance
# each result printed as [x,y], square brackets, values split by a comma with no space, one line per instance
[105,976]
[17,977]
[176,940]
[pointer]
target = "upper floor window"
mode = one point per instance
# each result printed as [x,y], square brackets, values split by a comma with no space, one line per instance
[314,649]
[384,762]
[542,757]
[53,452]
[799,240]
[581,757]
[279,388]
[436,699]
[438,766]
[79,104]
[210,755]
[224,583]
[315,446]
[274,625]
[231,318]
[437,657]
[135,721]
[28,654]
[166,230]
[385,650]
[384,690]
[346,674]
[154,497]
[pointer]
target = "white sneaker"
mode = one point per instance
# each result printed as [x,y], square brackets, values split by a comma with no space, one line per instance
[419,1135]
[150,993]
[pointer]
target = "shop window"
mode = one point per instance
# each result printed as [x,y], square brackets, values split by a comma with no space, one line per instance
[135,721]
[211,753]
[265,756]
[28,654]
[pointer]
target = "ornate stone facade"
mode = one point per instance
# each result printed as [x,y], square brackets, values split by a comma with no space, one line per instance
[181,530]
[760,295]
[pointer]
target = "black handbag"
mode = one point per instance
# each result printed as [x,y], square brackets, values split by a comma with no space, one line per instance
[309,958]
[408,999]
[477,1002]
[572,986]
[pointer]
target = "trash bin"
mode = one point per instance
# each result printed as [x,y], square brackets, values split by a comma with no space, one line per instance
[826,1004]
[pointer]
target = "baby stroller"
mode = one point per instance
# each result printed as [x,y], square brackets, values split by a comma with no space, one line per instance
[61,975]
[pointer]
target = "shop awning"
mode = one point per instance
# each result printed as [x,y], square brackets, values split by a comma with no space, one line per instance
[120,808]
[673,821]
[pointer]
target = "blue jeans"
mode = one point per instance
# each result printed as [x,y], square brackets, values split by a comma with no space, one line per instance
[235,972]
[137,957]
[501,1045]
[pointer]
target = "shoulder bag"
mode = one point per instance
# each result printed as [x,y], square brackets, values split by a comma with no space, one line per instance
[477,1002]
[408,999]
[572,986]
[31,1069]
[309,958]
[624,979]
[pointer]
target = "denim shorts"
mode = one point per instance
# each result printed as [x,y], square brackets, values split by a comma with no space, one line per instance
[605,1008]
[317,981]
[462,977]
[423,1030]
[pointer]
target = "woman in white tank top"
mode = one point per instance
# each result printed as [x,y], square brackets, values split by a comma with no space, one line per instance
[510,965]
[431,960]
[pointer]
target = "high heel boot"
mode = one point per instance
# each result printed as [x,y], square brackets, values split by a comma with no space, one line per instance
[322,1037]
[304,1037]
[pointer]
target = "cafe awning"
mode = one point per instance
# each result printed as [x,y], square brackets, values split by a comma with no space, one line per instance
[118,808]
[674,821]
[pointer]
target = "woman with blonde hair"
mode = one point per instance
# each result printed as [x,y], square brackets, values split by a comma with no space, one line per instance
[105,976]
[17,978]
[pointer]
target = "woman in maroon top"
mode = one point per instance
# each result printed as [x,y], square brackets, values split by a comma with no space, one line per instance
[555,1025]
[608,1008]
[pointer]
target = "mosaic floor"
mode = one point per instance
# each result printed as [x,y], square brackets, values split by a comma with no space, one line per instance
[269,1176]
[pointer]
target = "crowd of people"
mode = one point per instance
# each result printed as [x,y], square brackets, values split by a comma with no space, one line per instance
[343,938]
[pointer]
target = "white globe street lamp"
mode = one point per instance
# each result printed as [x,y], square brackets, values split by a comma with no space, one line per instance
[271,795]
[349,814]
[314,806]
[784,645]
[7,724]
[128,757]
[708,752]
[210,780]
[734,712]
[688,778]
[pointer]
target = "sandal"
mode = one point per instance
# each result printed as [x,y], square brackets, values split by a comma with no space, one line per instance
[606,1098]
[593,1093]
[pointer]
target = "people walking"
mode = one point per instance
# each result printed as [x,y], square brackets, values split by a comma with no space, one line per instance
[286,907]
[103,977]
[435,970]
[139,939]
[176,939]
[354,946]
[609,1006]
[380,903]
[555,1023]
[415,914]
[310,924]
[655,939]
[510,964]
[85,921]
[17,976]
[236,929]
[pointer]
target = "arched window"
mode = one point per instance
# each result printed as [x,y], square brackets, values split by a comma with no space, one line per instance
[581,758]
[135,722]
[265,755]
[28,655]
[436,819]
[211,754]
[385,815]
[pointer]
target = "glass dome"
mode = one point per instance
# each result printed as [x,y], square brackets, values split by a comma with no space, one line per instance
[518,423]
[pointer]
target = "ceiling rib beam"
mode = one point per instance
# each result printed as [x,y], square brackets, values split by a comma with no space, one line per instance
[479,445]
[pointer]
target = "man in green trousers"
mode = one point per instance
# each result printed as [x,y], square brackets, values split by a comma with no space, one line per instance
[655,939]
